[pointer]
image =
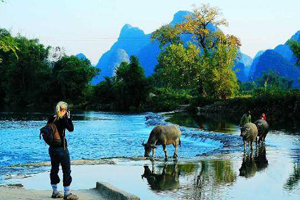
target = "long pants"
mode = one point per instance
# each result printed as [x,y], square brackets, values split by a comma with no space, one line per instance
[60,156]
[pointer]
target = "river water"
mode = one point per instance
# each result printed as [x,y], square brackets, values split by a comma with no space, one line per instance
[212,163]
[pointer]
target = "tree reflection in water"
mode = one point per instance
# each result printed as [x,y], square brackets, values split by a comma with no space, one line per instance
[212,175]
[215,123]
[294,178]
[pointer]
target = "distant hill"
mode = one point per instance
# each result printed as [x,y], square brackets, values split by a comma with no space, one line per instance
[242,68]
[130,42]
[253,65]
[133,41]
[81,56]
[279,59]
[271,60]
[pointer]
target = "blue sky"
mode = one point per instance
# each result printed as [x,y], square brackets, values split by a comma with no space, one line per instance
[92,26]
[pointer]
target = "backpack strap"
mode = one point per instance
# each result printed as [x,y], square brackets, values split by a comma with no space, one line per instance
[64,139]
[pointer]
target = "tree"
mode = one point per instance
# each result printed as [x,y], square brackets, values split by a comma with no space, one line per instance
[295,47]
[7,43]
[179,66]
[211,70]
[27,77]
[219,79]
[272,79]
[70,77]
[131,84]
[202,25]
[128,90]
[104,94]
[39,77]
[166,35]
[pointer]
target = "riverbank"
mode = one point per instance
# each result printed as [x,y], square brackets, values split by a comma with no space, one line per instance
[15,192]
[280,108]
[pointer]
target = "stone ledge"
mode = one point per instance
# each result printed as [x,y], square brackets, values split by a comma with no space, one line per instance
[110,192]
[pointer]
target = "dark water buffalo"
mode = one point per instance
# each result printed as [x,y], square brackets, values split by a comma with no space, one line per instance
[249,133]
[163,135]
[263,129]
[167,180]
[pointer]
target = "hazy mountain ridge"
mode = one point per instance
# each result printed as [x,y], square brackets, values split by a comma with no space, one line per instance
[133,41]
[280,59]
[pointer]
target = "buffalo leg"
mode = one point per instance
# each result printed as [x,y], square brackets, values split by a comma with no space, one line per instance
[165,150]
[244,145]
[176,150]
[153,168]
[251,145]
[153,152]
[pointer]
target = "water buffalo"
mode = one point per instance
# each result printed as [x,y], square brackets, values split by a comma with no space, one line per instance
[249,133]
[163,135]
[263,129]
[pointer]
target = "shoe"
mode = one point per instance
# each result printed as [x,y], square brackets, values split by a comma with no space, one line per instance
[57,195]
[71,197]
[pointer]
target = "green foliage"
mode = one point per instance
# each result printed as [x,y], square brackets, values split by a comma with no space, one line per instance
[167,99]
[272,79]
[295,47]
[280,106]
[201,101]
[33,80]
[247,86]
[70,77]
[128,90]
[7,43]
[104,94]
[179,67]
[25,77]
[206,63]
[198,26]
[218,78]
[166,35]
[269,82]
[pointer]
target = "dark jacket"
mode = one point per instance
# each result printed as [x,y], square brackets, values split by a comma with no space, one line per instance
[62,124]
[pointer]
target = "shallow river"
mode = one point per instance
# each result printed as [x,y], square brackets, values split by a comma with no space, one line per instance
[211,165]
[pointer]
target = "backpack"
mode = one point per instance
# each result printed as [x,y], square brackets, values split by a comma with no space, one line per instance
[47,132]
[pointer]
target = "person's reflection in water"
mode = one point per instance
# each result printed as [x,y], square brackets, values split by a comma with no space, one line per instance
[252,164]
[167,180]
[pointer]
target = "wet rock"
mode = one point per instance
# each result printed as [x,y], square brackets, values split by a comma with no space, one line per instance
[18,185]
[155,119]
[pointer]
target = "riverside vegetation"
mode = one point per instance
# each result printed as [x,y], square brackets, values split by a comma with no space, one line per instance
[195,67]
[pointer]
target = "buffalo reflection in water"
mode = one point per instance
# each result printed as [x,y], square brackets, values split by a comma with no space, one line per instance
[168,179]
[252,164]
